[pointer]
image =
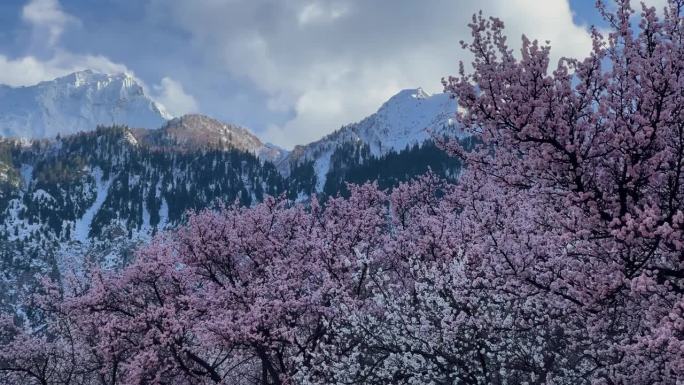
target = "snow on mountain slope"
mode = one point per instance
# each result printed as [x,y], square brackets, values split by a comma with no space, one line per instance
[77,102]
[410,117]
[195,131]
[83,224]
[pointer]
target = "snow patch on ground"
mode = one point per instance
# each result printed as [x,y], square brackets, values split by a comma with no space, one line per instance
[19,228]
[321,168]
[26,172]
[82,225]
[163,215]
[146,218]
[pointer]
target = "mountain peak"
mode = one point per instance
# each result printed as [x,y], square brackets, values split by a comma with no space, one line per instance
[410,93]
[206,130]
[196,131]
[76,102]
[89,77]
[408,118]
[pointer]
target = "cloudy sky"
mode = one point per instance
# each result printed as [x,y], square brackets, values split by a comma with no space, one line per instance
[290,70]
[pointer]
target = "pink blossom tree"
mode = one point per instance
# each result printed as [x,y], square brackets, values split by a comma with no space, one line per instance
[557,258]
[576,191]
[49,347]
[565,259]
[240,295]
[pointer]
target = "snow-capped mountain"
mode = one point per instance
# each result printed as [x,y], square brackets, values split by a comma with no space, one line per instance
[195,131]
[410,117]
[77,102]
[84,100]
[93,196]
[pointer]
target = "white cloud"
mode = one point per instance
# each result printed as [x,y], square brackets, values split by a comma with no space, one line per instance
[47,15]
[171,95]
[659,4]
[48,22]
[321,12]
[29,70]
[334,62]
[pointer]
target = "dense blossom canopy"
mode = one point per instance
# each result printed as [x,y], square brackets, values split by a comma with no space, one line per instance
[558,258]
